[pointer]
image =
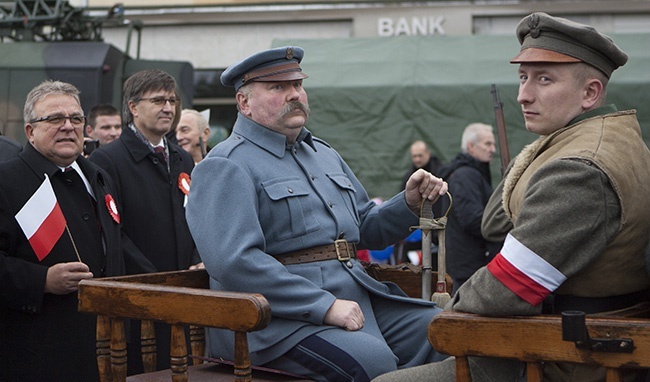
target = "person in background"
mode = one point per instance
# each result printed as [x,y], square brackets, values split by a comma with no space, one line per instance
[275,210]
[59,224]
[470,185]
[8,148]
[406,250]
[104,124]
[152,176]
[192,134]
[421,158]
[570,208]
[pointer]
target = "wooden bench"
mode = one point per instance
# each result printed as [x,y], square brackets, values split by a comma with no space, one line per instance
[182,299]
[538,339]
[178,298]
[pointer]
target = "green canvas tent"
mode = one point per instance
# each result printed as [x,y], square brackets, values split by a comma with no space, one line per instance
[372,97]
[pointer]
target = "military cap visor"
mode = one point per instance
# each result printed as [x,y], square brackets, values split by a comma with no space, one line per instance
[542,55]
[273,65]
[540,34]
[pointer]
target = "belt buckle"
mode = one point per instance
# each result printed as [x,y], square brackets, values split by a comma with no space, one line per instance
[340,256]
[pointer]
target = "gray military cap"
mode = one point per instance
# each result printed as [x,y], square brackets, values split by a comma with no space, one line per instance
[545,38]
[279,64]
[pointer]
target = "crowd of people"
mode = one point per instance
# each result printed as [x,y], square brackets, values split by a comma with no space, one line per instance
[275,210]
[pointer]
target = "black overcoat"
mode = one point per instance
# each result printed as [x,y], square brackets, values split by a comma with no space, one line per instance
[42,336]
[153,201]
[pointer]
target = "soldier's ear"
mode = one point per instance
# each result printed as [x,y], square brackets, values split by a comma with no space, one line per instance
[593,91]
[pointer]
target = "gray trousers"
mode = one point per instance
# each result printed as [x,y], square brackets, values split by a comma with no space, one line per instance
[397,339]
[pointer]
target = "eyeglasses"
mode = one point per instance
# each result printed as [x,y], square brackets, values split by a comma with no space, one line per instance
[59,120]
[160,101]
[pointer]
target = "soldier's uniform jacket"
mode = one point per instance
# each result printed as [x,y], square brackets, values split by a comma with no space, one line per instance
[255,196]
[579,218]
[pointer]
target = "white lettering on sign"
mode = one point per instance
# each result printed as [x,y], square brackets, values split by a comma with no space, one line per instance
[416,26]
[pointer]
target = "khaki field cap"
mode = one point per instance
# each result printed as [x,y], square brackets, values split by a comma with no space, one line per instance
[279,64]
[545,38]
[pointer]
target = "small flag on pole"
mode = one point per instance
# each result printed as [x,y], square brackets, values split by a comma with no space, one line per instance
[42,220]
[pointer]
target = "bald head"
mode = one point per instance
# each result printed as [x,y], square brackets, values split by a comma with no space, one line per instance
[420,154]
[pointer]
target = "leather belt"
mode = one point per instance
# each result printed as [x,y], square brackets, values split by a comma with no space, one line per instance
[341,250]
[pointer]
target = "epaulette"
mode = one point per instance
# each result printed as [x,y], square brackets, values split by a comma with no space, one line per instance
[226,147]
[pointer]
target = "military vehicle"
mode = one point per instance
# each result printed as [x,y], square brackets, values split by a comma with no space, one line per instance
[50,39]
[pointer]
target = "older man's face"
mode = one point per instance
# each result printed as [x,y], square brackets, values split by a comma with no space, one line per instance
[280,106]
[190,137]
[484,148]
[59,140]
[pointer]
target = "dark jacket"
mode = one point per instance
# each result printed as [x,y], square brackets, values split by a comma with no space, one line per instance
[154,216]
[154,212]
[470,187]
[42,336]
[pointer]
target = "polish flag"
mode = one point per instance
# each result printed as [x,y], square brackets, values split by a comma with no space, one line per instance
[42,220]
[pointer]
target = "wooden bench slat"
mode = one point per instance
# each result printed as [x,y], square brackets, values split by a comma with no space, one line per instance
[174,305]
[537,338]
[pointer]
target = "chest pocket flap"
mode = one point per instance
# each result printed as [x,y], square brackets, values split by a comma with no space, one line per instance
[286,189]
[342,181]
[289,209]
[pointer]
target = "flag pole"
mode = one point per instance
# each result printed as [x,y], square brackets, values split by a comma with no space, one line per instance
[73,243]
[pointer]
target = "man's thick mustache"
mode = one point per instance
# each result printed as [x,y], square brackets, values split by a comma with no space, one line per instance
[295,106]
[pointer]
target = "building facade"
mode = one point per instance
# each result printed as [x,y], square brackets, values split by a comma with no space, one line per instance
[212,34]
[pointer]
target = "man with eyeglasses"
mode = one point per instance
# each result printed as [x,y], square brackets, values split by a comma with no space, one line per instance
[152,175]
[59,224]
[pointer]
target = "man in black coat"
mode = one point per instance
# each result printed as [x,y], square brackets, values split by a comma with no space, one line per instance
[152,176]
[42,336]
[470,186]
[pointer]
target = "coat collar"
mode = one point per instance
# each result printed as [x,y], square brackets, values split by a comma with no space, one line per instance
[136,147]
[267,139]
[139,150]
[40,165]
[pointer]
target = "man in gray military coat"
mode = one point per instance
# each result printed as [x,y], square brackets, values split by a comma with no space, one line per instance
[277,211]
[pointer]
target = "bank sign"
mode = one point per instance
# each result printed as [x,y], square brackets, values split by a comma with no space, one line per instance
[411,26]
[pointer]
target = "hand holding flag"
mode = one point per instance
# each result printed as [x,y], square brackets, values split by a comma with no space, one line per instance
[63,278]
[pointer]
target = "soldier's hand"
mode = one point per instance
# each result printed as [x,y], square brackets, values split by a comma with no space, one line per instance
[423,185]
[63,278]
[346,314]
